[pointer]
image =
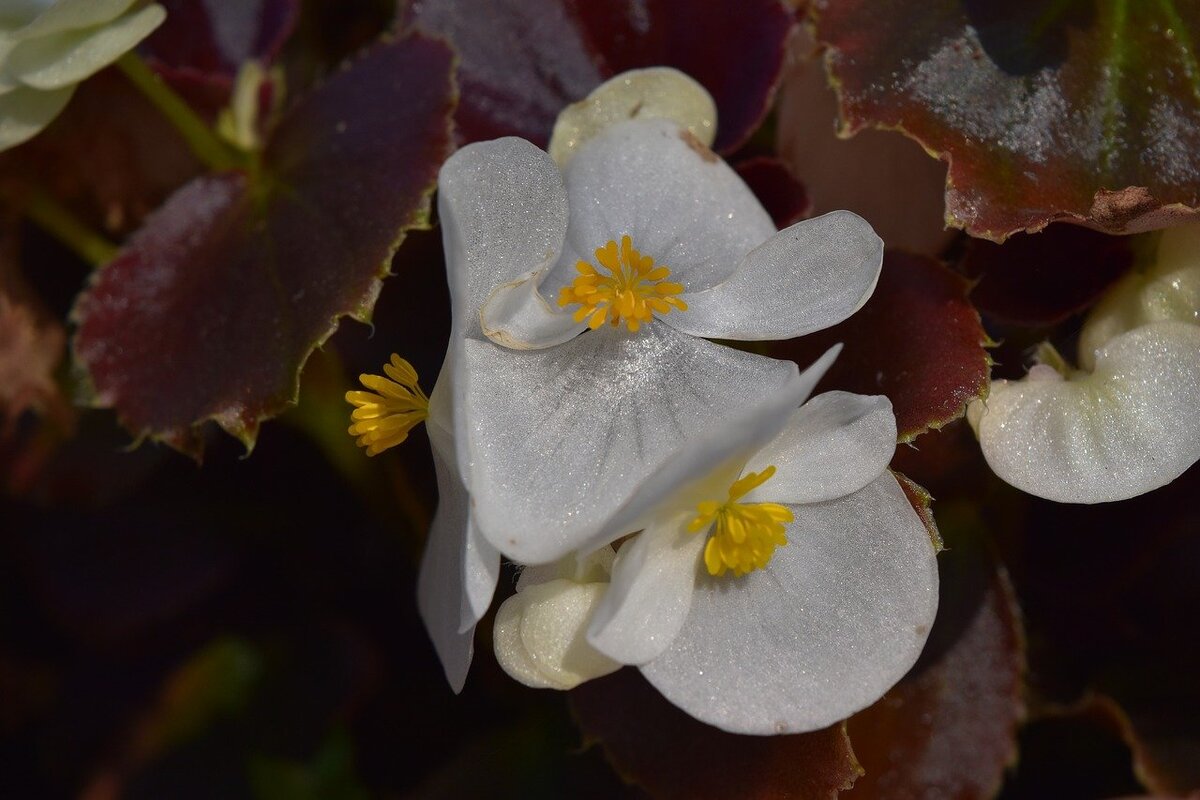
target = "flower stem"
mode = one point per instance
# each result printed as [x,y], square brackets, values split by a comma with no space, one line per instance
[58,221]
[198,134]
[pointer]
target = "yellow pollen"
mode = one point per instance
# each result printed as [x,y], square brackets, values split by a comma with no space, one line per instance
[395,405]
[745,534]
[632,291]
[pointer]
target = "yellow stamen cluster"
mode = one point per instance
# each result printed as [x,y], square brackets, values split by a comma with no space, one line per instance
[745,534]
[632,291]
[383,417]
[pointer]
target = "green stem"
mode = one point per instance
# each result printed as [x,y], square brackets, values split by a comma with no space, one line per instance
[198,134]
[58,221]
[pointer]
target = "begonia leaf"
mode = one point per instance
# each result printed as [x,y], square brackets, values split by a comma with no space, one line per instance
[1044,278]
[671,755]
[949,728]
[202,43]
[213,306]
[918,340]
[883,176]
[523,61]
[1045,110]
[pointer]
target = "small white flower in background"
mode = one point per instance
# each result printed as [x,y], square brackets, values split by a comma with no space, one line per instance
[49,46]
[784,590]
[556,439]
[1125,424]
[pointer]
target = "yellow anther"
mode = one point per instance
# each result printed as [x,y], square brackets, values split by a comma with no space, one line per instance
[632,291]
[745,535]
[395,405]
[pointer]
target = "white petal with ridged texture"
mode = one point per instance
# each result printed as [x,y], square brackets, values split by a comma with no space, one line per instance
[1168,290]
[833,445]
[834,620]
[652,93]
[803,279]
[681,205]
[651,592]
[510,651]
[562,438]
[1127,428]
[552,630]
[25,112]
[503,211]
[65,58]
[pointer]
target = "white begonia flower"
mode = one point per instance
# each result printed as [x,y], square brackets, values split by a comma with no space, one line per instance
[784,590]
[568,428]
[49,46]
[1126,424]
[562,450]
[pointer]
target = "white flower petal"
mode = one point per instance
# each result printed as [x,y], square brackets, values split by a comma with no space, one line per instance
[65,58]
[67,15]
[550,649]
[803,279]
[1168,290]
[650,594]
[503,212]
[516,315]
[833,445]
[510,650]
[594,567]
[562,438]
[441,588]
[25,112]
[681,205]
[481,573]
[835,619]
[653,93]
[1129,427]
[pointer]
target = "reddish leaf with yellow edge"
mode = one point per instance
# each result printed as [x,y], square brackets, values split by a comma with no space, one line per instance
[653,743]
[211,309]
[523,61]
[918,340]
[1045,110]
[949,728]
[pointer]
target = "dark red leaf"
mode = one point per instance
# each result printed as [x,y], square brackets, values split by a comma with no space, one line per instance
[1045,110]
[776,188]
[1044,278]
[671,755]
[522,61]
[883,176]
[948,729]
[212,308]
[918,340]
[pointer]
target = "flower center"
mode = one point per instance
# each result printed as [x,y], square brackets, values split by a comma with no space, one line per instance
[630,293]
[745,534]
[383,417]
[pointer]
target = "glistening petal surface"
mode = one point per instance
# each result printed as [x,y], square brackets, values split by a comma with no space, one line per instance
[503,211]
[681,204]
[1129,427]
[562,438]
[835,619]
[807,277]
[833,445]
[650,593]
